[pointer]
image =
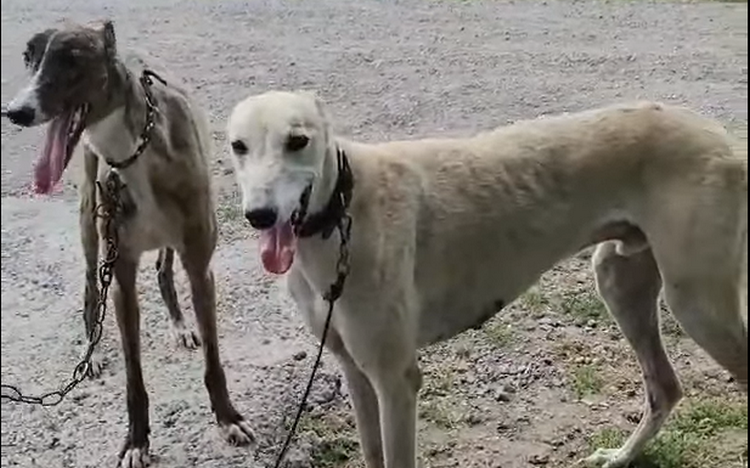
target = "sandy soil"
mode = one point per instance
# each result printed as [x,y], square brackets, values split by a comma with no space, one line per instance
[387,69]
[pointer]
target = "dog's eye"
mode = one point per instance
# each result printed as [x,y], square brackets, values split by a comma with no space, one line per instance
[239,147]
[296,142]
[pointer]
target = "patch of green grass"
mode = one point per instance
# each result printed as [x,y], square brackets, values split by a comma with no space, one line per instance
[691,440]
[440,413]
[710,416]
[333,453]
[335,443]
[534,301]
[584,305]
[500,335]
[587,381]
[439,382]
[607,438]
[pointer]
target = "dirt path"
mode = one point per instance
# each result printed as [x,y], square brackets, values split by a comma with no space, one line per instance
[528,389]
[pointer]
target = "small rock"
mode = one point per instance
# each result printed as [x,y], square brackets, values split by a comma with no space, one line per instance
[539,460]
[300,356]
[473,419]
[502,396]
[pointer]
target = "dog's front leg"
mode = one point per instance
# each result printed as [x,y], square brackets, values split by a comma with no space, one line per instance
[90,242]
[366,410]
[388,357]
[397,390]
[134,453]
[196,259]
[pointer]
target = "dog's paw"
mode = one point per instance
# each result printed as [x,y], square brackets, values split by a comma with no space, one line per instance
[96,365]
[185,337]
[606,458]
[237,433]
[134,457]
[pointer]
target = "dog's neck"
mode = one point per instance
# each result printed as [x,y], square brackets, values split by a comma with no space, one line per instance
[119,117]
[329,203]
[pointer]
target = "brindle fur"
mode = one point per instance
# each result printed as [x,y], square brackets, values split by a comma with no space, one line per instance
[168,193]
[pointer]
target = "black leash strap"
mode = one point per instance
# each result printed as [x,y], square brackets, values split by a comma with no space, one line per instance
[336,210]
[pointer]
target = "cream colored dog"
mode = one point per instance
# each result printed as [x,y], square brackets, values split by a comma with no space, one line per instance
[448,231]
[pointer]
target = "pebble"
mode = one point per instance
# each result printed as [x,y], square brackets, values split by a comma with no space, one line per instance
[502,396]
[539,460]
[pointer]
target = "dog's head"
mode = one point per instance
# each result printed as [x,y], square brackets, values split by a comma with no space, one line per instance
[280,144]
[69,70]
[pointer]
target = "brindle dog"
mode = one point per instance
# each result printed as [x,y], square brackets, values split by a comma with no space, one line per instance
[85,89]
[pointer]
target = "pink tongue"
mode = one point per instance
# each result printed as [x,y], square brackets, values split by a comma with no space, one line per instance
[51,163]
[277,247]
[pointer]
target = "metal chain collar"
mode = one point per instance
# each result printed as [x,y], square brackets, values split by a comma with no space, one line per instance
[151,109]
[110,210]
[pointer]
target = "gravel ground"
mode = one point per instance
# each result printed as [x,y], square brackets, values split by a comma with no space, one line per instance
[387,69]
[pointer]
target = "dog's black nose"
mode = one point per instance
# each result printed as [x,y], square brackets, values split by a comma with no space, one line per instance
[23,116]
[262,218]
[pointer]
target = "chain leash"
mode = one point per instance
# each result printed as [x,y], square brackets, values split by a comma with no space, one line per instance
[331,296]
[110,210]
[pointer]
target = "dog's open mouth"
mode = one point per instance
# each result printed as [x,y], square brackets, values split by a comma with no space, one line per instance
[63,134]
[277,247]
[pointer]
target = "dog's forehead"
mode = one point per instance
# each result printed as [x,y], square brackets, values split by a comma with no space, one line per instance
[76,39]
[273,111]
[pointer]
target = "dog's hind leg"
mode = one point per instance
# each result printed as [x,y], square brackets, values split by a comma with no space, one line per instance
[134,452]
[196,260]
[165,275]
[710,311]
[87,221]
[629,286]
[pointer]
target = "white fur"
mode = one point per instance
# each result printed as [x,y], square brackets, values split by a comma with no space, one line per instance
[28,97]
[447,231]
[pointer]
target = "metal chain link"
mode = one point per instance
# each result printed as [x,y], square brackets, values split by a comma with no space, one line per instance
[151,109]
[110,210]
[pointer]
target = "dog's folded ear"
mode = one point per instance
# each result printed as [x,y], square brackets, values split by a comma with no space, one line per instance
[35,48]
[321,107]
[110,42]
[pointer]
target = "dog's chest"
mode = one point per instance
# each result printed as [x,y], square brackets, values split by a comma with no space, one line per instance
[149,222]
[110,137]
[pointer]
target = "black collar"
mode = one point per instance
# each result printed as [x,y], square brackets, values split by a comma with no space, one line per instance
[325,221]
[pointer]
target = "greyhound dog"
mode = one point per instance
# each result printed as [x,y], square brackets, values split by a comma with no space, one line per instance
[157,139]
[445,232]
